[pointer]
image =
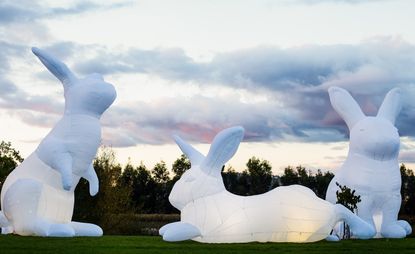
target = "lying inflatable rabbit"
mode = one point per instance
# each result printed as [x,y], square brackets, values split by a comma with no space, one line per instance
[211,214]
[37,197]
[372,167]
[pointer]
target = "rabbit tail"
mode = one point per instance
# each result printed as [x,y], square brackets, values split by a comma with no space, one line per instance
[6,227]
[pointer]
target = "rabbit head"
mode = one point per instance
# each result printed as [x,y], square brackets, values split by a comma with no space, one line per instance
[204,177]
[372,136]
[90,95]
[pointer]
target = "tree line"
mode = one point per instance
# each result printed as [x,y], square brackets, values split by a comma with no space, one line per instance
[142,190]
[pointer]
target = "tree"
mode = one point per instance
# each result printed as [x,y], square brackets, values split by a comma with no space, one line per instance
[318,182]
[180,166]
[347,198]
[235,182]
[305,177]
[112,198]
[9,159]
[407,191]
[160,172]
[144,188]
[260,176]
[322,182]
[162,188]
[289,177]
[128,175]
[127,180]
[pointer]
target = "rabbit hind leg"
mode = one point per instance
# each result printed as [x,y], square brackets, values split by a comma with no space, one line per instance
[21,203]
[6,226]
[391,227]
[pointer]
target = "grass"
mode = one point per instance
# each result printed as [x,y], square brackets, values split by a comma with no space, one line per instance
[152,244]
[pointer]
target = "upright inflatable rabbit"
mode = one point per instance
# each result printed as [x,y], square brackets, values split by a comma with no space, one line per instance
[211,214]
[372,167]
[37,197]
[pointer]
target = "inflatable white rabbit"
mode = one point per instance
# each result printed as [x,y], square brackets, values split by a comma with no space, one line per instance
[37,197]
[211,214]
[372,167]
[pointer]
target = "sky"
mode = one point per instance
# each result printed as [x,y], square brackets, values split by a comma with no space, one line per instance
[193,68]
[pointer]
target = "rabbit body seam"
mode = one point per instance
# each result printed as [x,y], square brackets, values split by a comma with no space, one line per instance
[276,214]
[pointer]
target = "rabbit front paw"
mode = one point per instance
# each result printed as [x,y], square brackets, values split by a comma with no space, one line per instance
[393,230]
[406,226]
[179,231]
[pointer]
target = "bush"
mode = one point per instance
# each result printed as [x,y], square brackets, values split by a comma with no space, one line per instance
[136,224]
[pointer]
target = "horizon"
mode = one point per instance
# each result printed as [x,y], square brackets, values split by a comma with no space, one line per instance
[193,68]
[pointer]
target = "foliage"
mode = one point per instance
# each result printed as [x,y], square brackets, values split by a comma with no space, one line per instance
[143,185]
[322,181]
[131,190]
[318,182]
[136,224]
[9,159]
[407,191]
[347,197]
[260,176]
[180,166]
[112,196]
[235,182]
[155,245]
[160,173]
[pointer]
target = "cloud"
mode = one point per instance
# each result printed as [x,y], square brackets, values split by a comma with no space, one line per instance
[13,98]
[312,2]
[155,122]
[200,118]
[298,77]
[294,82]
[372,66]
[36,118]
[8,52]
[22,11]
[407,156]
[7,87]
[170,63]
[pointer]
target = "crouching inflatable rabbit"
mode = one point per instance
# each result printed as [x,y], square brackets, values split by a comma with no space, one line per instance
[211,214]
[37,197]
[371,167]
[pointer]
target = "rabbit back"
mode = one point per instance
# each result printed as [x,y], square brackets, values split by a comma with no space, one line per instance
[280,215]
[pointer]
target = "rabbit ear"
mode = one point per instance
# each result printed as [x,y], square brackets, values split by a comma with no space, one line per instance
[391,105]
[194,155]
[345,106]
[223,147]
[56,67]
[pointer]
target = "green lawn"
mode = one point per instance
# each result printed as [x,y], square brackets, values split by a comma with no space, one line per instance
[151,244]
